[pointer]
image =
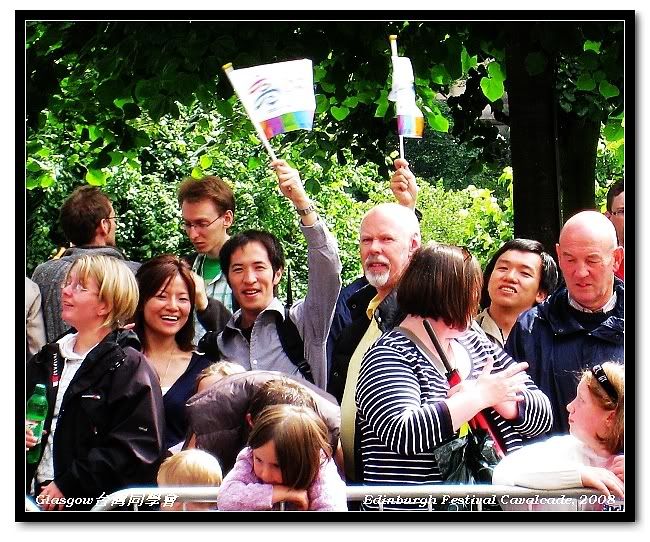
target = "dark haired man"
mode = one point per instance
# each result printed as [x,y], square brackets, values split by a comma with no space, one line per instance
[253,262]
[616,214]
[88,222]
[519,276]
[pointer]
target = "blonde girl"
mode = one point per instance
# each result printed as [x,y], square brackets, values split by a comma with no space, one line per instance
[592,454]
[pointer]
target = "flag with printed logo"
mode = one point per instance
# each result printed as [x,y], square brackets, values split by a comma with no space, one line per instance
[410,121]
[279,97]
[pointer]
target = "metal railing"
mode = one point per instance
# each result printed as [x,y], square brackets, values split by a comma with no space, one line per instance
[426,497]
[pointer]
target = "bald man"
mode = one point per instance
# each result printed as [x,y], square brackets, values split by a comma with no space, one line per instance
[388,236]
[580,324]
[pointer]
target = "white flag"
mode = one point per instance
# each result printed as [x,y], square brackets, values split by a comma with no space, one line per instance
[280,96]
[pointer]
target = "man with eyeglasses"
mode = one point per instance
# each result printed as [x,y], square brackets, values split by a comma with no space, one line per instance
[581,323]
[89,223]
[208,208]
[616,213]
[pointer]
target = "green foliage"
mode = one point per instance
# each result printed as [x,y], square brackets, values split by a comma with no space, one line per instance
[203,143]
[134,107]
[610,159]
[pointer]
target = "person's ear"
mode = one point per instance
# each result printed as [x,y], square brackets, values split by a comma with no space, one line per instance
[104,227]
[249,420]
[541,296]
[618,257]
[415,243]
[228,219]
[104,308]
[277,276]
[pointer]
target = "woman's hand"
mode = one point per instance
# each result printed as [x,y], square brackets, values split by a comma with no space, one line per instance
[502,390]
[30,439]
[499,390]
[603,480]
[47,495]
[617,466]
[286,494]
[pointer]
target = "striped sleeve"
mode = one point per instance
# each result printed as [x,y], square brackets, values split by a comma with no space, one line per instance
[389,398]
[535,413]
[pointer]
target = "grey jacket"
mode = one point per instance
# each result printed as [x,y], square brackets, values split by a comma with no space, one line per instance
[50,275]
[217,416]
[35,326]
[312,316]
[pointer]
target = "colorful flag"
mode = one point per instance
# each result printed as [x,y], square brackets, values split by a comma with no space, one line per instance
[280,96]
[410,121]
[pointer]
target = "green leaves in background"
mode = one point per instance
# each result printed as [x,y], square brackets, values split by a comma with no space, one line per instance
[492,85]
[96,177]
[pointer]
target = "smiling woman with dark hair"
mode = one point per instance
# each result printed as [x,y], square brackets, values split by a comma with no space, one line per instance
[164,324]
[405,407]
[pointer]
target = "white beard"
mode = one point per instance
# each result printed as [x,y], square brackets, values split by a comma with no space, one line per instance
[378,280]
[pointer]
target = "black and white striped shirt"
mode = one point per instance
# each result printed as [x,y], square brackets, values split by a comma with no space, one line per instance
[402,414]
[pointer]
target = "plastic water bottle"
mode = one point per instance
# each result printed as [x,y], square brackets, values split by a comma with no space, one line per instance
[35,419]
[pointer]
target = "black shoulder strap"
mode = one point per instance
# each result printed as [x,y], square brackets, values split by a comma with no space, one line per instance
[293,345]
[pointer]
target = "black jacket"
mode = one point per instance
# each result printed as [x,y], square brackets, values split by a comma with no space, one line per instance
[109,433]
[387,316]
[557,343]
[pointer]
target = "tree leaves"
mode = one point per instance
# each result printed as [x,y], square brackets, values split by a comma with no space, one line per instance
[339,113]
[585,82]
[205,161]
[492,86]
[96,177]
[607,90]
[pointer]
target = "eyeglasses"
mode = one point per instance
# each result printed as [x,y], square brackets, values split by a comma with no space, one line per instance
[77,287]
[112,217]
[600,375]
[620,212]
[198,226]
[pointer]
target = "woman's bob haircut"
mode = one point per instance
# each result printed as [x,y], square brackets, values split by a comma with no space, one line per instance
[442,282]
[117,286]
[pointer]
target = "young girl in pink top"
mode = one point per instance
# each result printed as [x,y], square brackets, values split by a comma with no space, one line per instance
[288,459]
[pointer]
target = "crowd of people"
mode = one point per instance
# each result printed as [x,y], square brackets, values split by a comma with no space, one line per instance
[190,371]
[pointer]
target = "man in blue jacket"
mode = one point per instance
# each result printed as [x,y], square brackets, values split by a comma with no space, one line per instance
[580,324]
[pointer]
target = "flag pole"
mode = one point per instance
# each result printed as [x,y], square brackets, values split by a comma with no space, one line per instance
[393,51]
[260,133]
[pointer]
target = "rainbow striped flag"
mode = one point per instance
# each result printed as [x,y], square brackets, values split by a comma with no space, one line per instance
[298,120]
[280,96]
[410,121]
[410,125]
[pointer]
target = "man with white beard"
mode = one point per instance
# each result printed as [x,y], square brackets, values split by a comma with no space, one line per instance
[388,236]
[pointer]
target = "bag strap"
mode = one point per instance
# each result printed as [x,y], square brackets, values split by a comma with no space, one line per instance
[293,345]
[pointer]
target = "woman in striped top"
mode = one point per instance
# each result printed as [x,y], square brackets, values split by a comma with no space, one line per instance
[405,406]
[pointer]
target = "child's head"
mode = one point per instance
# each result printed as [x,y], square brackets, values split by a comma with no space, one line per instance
[215,372]
[190,467]
[596,415]
[279,391]
[287,441]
